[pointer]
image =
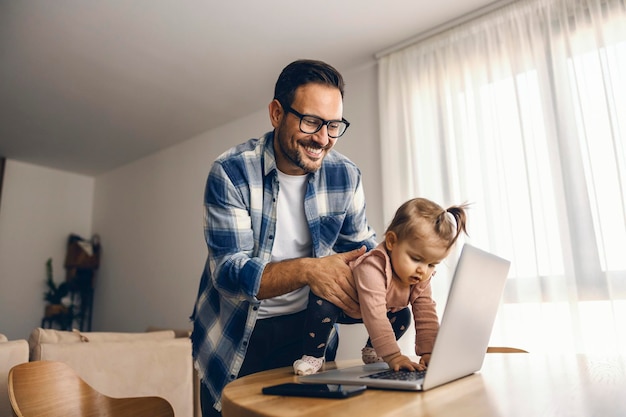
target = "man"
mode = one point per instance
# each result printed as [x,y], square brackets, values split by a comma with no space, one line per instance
[284,214]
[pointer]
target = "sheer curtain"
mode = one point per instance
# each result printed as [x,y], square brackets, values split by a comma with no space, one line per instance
[522,113]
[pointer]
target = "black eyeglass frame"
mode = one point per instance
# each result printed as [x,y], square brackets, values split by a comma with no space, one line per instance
[301,116]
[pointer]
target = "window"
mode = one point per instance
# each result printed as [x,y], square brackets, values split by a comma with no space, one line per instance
[521,112]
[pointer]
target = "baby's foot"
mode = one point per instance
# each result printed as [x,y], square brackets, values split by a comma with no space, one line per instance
[307,365]
[368,354]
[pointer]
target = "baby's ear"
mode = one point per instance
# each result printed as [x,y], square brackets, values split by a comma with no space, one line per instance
[390,240]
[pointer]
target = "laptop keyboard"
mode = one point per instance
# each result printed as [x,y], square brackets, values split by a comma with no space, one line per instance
[401,375]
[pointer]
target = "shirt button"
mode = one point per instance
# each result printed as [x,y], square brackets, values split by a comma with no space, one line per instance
[271,237]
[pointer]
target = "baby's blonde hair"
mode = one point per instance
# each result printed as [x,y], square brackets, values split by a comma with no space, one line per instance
[409,216]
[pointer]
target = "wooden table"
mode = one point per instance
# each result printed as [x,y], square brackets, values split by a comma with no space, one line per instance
[508,385]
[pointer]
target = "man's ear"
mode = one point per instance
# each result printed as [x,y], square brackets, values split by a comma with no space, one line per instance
[276,113]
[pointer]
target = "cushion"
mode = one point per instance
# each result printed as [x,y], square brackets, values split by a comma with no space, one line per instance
[41,336]
[177,332]
[12,353]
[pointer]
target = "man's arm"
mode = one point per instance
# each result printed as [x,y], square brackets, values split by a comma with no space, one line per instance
[329,277]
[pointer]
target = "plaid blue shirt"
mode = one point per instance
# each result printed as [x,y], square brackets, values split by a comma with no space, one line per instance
[240,222]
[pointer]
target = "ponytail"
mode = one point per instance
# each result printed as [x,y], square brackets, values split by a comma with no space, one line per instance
[460,218]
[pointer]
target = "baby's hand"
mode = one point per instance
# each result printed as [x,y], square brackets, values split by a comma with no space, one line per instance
[397,362]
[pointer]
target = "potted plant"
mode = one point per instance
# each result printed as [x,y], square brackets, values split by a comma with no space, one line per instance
[55,294]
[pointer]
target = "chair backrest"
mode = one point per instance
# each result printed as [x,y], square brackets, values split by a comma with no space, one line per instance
[53,389]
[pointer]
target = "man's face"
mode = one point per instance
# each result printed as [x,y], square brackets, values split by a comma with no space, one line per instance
[300,153]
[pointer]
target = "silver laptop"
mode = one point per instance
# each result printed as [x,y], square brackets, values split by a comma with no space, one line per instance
[463,335]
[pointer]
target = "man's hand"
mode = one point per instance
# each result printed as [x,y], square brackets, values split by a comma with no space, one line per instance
[332,280]
[329,278]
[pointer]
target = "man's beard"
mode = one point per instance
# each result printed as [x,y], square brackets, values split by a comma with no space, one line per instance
[295,156]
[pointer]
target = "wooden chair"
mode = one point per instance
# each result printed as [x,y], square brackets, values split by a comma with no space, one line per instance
[53,389]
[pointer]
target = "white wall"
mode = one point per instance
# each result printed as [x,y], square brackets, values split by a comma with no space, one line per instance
[40,208]
[149,216]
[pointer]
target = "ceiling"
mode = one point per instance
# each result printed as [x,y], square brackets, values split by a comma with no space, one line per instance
[87,86]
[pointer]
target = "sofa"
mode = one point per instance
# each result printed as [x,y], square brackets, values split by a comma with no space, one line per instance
[12,352]
[152,363]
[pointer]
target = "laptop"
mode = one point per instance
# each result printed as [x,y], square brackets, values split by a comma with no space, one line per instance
[463,337]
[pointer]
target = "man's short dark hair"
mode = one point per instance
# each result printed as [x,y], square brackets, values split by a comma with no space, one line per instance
[305,71]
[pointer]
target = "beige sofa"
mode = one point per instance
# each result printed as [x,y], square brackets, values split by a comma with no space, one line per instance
[12,353]
[126,364]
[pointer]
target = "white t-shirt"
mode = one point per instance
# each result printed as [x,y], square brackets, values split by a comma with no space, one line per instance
[291,240]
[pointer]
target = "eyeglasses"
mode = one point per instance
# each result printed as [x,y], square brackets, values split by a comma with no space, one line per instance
[312,124]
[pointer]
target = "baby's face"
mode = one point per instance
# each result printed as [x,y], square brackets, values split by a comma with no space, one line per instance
[414,260]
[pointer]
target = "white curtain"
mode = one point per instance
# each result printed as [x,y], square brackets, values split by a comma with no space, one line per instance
[522,113]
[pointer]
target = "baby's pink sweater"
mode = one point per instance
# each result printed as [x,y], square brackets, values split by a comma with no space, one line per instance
[380,291]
